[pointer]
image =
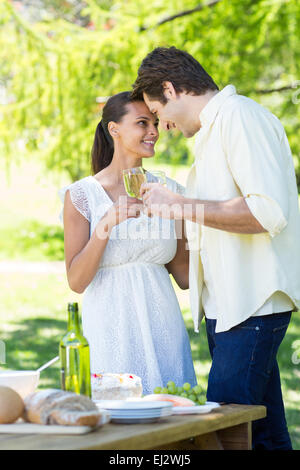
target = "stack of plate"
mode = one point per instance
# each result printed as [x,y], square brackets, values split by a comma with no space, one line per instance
[127,412]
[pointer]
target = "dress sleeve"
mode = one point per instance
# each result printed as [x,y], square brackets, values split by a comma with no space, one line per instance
[79,199]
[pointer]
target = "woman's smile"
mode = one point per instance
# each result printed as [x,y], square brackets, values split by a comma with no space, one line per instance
[149,143]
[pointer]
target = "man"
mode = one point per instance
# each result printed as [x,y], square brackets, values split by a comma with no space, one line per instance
[242,216]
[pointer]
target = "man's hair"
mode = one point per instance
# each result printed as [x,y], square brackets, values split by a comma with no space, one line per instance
[173,65]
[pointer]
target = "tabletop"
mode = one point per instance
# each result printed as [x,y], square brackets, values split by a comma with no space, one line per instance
[226,427]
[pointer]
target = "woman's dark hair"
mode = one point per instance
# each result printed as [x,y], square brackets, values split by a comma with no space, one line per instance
[165,64]
[103,146]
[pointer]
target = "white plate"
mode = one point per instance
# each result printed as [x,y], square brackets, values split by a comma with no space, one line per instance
[142,411]
[155,414]
[197,409]
[132,405]
[137,420]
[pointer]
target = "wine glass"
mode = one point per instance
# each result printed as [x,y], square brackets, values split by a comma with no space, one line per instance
[133,179]
[156,176]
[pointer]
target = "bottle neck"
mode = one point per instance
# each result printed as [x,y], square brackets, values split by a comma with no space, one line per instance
[73,320]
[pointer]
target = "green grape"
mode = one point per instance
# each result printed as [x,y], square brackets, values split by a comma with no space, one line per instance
[157,390]
[164,390]
[201,399]
[180,390]
[172,389]
[186,386]
[184,395]
[197,389]
[171,384]
[192,397]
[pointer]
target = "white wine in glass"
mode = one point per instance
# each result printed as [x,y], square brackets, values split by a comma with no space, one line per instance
[133,179]
[156,176]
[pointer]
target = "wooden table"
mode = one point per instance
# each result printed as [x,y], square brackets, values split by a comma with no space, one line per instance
[226,427]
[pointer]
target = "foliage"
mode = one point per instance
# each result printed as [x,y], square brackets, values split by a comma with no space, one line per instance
[32,240]
[53,70]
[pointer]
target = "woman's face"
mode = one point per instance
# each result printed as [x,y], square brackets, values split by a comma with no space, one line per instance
[137,132]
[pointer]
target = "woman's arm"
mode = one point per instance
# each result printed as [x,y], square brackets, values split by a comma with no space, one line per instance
[83,254]
[179,266]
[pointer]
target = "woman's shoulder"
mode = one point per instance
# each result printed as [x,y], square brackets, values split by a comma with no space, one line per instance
[79,194]
[82,182]
[79,185]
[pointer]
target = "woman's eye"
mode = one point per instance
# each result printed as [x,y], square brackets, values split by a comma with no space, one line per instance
[142,122]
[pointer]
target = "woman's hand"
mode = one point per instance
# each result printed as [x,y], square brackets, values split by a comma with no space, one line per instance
[123,209]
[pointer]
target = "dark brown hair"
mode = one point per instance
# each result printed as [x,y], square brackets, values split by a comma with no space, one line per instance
[172,65]
[103,146]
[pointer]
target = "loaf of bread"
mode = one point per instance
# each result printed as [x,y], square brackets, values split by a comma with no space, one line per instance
[53,406]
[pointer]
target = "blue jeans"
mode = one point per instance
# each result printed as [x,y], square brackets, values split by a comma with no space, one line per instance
[244,370]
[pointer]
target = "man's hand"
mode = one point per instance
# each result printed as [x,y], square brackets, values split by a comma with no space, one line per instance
[160,201]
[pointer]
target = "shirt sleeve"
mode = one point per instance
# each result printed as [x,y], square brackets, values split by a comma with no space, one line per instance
[78,197]
[252,138]
[267,212]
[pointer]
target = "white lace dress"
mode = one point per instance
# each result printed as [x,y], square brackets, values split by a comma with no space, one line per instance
[130,312]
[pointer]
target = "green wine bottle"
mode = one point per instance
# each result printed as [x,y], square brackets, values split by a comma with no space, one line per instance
[74,352]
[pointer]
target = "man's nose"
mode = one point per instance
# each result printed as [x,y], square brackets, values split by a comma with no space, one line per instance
[166,125]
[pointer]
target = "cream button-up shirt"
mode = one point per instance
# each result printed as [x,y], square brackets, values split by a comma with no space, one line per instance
[242,150]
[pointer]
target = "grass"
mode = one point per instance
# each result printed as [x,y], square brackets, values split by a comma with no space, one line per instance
[33,241]
[33,306]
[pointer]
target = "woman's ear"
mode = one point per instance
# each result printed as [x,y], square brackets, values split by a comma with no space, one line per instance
[112,129]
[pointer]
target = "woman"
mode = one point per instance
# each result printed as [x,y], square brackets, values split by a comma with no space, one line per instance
[121,259]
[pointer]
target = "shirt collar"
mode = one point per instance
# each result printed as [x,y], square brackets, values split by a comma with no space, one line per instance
[211,109]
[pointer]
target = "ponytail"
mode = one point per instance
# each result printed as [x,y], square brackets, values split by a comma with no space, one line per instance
[103,148]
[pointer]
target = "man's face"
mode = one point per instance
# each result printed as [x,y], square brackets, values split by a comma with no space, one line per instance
[173,114]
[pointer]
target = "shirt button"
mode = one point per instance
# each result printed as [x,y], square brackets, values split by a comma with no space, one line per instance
[257,327]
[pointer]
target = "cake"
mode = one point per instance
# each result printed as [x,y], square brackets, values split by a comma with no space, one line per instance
[108,386]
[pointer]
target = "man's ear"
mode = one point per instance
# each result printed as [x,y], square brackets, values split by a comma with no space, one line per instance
[169,90]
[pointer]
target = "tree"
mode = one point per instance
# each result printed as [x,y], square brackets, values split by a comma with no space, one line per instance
[54,69]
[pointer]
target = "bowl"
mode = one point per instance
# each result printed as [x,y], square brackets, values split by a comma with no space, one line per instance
[23,382]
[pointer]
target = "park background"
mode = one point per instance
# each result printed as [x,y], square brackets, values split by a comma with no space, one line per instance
[59,61]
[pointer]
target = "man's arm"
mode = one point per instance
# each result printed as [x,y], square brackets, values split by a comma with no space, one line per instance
[232,215]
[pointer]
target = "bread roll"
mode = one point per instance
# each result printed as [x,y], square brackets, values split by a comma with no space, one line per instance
[11,405]
[53,406]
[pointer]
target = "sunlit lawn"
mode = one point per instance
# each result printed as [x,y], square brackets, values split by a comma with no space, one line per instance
[33,305]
